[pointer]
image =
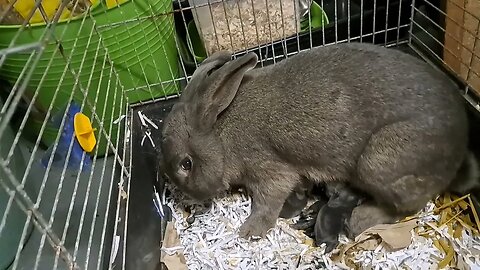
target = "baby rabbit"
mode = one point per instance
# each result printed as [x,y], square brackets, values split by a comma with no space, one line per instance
[335,213]
[378,119]
[326,218]
[296,201]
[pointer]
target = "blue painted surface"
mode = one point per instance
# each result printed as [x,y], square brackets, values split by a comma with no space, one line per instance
[61,153]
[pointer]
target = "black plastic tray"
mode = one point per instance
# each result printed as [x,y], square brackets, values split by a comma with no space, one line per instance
[145,227]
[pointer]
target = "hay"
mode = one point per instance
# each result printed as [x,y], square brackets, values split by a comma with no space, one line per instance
[446,237]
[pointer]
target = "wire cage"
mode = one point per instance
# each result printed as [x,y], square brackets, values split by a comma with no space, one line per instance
[76,189]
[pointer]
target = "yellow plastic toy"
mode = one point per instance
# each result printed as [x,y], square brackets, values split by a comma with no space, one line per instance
[82,127]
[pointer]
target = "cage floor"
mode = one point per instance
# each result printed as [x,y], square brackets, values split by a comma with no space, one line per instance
[83,198]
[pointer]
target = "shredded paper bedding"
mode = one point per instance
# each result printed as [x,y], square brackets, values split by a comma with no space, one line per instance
[444,235]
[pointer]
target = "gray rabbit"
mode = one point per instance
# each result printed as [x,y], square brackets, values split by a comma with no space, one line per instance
[381,120]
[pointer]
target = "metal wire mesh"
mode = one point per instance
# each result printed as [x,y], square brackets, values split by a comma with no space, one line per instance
[103,58]
[446,35]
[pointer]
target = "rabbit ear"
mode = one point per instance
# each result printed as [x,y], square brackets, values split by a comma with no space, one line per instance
[220,57]
[211,63]
[222,86]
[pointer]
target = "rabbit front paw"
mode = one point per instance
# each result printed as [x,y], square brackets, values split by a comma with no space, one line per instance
[265,209]
[255,227]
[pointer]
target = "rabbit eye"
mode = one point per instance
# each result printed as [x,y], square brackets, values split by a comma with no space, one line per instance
[186,164]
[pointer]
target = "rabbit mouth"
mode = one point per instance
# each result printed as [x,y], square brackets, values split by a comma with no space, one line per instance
[201,197]
[207,195]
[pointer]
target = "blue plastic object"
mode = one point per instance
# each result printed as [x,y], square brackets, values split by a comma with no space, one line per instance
[66,138]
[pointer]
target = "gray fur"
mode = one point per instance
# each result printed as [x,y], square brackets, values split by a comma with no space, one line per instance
[366,216]
[380,119]
[468,176]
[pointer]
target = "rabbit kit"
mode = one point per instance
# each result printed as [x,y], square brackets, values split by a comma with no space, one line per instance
[362,116]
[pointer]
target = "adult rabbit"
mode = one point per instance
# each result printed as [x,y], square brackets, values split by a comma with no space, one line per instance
[382,120]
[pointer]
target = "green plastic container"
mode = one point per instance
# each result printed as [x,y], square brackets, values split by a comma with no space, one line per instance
[141,50]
